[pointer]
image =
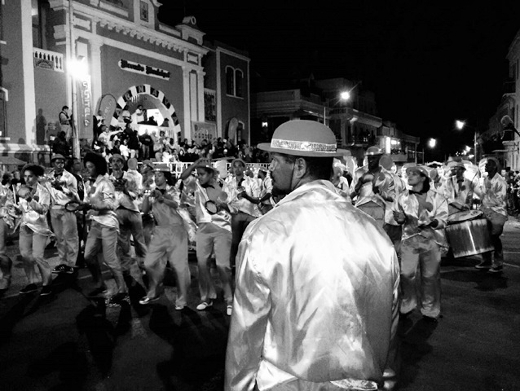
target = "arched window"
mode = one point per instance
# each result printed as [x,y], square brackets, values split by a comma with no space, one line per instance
[239,77]
[230,81]
[234,82]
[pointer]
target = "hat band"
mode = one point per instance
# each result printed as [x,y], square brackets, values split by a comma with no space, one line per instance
[303,146]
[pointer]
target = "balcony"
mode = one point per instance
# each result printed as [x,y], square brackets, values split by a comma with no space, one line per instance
[48,60]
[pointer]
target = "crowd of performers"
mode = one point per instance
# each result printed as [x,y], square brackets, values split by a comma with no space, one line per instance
[99,216]
[416,206]
[95,211]
[293,272]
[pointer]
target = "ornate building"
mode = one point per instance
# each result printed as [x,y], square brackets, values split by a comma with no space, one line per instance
[108,56]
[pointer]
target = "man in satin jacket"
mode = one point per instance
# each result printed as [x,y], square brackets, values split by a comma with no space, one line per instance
[316,299]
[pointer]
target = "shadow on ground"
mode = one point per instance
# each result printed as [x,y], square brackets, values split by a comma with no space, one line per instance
[413,346]
[199,348]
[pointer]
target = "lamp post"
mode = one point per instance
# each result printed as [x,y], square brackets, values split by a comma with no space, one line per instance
[343,97]
[460,125]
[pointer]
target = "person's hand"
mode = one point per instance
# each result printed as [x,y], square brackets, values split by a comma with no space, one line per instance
[159,197]
[400,217]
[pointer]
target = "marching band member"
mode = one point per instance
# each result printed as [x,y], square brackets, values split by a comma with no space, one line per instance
[169,240]
[423,213]
[458,189]
[492,190]
[390,190]
[240,188]
[214,232]
[367,186]
[104,227]
[63,188]
[34,231]
[6,223]
[316,305]
[128,214]
[339,181]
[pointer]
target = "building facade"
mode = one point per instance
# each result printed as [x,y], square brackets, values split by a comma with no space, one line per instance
[354,121]
[109,56]
[497,141]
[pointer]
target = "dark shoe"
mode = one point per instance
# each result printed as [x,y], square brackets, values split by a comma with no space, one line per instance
[65,269]
[430,319]
[147,300]
[58,269]
[46,290]
[29,289]
[484,265]
[117,299]
[496,269]
[98,292]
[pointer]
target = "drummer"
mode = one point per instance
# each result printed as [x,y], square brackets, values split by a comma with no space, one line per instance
[368,184]
[423,213]
[492,192]
[459,189]
[63,188]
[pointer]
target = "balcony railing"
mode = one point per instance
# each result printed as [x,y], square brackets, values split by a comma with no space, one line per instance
[48,60]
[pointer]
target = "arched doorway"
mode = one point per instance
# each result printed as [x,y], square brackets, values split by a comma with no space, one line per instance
[151,99]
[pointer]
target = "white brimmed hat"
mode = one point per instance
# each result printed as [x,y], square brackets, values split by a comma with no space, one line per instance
[303,138]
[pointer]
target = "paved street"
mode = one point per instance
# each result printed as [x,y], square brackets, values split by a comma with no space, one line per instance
[67,342]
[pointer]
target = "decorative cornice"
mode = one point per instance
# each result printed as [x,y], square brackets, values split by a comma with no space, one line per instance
[133,30]
[232,54]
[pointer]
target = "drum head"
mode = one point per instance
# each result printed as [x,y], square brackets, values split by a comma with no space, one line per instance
[464,216]
[72,206]
[211,207]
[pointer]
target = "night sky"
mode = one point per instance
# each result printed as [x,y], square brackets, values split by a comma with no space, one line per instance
[429,63]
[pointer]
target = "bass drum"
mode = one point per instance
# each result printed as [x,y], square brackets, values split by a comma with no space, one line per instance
[469,237]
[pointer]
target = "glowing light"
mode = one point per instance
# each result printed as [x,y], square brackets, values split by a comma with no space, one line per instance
[78,68]
[460,124]
[432,143]
[344,95]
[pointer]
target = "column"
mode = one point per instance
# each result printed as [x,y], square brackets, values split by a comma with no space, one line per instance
[186,108]
[95,53]
[27,64]
[200,95]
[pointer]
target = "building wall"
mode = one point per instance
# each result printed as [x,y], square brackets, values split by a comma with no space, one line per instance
[232,106]
[117,81]
[12,71]
[102,37]
[51,95]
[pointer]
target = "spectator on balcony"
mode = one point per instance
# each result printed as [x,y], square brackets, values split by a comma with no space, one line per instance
[65,120]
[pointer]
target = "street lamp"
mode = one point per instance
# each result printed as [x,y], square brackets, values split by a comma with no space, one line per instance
[343,96]
[431,144]
[460,125]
